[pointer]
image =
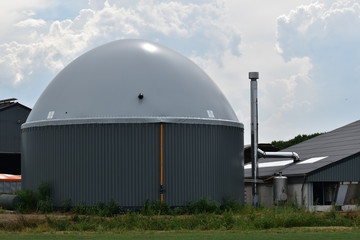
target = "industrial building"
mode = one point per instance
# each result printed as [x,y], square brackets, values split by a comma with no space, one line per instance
[327,174]
[12,115]
[129,121]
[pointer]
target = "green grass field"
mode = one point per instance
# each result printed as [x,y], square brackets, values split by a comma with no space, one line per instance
[273,234]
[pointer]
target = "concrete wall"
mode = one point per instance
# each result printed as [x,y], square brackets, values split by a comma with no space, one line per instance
[265,193]
[299,194]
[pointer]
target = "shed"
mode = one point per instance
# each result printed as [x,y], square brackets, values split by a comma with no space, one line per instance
[129,121]
[12,115]
[328,173]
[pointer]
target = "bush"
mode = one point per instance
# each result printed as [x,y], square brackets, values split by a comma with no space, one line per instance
[45,206]
[203,206]
[44,191]
[154,208]
[230,205]
[100,209]
[27,201]
[66,207]
[31,201]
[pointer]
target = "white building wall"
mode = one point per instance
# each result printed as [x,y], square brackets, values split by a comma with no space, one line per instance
[298,194]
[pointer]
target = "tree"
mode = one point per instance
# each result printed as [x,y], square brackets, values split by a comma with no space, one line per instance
[298,139]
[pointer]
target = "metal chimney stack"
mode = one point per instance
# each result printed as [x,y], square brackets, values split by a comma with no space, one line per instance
[253,76]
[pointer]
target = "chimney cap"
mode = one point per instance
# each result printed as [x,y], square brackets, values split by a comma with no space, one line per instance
[253,75]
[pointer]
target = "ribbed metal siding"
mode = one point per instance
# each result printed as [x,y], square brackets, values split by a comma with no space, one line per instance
[94,162]
[90,163]
[202,161]
[10,133]
[346,170]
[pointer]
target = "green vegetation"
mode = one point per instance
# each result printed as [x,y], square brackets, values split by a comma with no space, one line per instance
[31,201]
[278,234]
[242,219]
[101,209]
[202,215]
[298,139]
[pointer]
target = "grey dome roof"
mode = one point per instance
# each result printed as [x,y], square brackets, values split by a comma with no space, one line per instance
[104,85]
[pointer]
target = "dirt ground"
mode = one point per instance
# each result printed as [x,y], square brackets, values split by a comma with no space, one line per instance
[14,217]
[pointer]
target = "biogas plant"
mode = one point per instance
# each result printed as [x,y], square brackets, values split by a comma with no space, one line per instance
[130,121]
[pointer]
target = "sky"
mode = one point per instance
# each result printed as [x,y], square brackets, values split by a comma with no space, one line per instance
[307,52]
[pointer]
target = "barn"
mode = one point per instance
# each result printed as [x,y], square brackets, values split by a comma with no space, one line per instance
[327,175]
[12,115]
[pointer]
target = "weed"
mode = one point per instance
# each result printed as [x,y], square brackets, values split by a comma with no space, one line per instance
[45,206]
[58,224]
[230,205]
[44,191]
[100,209]
[154,208]
[203,206]
[27,201]
[66,207]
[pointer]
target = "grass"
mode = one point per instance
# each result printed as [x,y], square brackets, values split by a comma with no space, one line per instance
[275,234]
[198,217]
[245,219]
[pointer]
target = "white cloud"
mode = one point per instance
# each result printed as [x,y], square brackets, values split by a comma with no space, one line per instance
[326,33]
[313,29]
[299,67]
[31,22]
[16,10]
[50,45]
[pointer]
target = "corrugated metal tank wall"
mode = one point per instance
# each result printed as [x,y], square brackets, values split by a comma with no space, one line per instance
[203,161]
[93,162]
[90,163]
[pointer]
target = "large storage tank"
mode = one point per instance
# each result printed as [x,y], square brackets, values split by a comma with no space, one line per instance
[129,121]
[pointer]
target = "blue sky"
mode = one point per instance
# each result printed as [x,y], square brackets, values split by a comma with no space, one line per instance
[307,52]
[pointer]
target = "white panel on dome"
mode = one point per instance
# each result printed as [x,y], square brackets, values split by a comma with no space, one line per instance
[210,114]
[50,115]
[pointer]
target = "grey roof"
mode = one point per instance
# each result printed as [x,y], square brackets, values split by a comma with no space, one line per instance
[333,146]
[7,105]
[104,84]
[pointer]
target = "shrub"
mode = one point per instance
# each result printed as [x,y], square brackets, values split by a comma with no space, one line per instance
[44,191]
[203,206]
[31,201]
[66,207]
[27,201]
[45,206]
[100,209]
[154,208]
[230,205]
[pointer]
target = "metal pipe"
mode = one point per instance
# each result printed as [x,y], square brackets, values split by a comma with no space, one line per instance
[302,191]
[253,76]
[292,155]
[161,162]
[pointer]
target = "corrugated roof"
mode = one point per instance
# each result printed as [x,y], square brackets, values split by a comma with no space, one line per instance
[6,105]
[330,148]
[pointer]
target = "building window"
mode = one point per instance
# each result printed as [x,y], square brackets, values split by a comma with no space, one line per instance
[324,193]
